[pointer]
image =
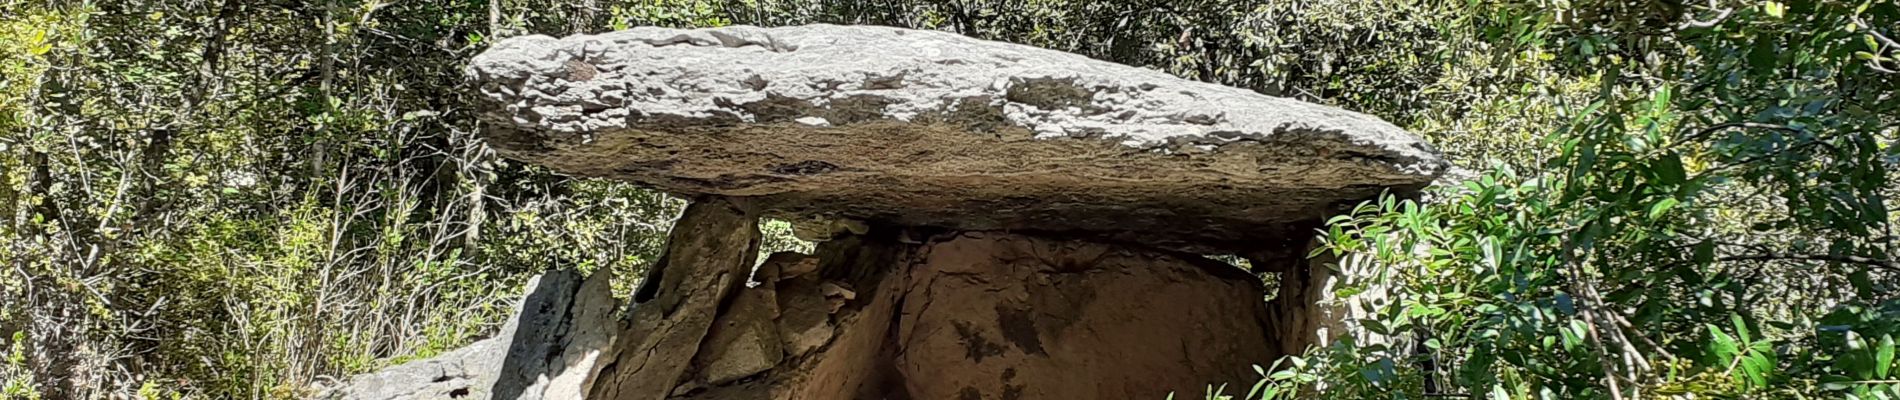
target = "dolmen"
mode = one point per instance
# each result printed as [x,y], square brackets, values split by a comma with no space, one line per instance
[996,221]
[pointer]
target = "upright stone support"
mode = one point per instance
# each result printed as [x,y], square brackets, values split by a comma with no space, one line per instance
[709,253]
[1301,312]
[1298,310]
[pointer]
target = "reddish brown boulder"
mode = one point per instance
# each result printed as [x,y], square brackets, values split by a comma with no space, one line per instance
[981,315]
[998,316]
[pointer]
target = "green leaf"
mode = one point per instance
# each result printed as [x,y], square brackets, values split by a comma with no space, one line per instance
[1754,369]
[1705,253]
[1660,101]
[1862,281]
[1858,361]
[1775,9]
[1764,53]
[1721,347]
[1883,357]
[1661,207]
[1669,169]
[1573,336]
[1741,327]
[1836,382]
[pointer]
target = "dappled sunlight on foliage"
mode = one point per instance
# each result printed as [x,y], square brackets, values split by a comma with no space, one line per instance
[1708,222]
[235,199]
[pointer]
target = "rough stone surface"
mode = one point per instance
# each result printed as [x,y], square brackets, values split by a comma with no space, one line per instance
[804,316]
[924,128]
[591,327]
[988,315]
[852,359]
[999,316]
[547,351]
[788,265]
[708,254]
[744,340]
[1304,307]
[466,373]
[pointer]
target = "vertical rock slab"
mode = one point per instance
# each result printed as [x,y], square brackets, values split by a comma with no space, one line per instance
[846,353]
[744,340]
[708,255]
[1298,312]
[1002,316]
[547,351]
[535,333]
[589,334]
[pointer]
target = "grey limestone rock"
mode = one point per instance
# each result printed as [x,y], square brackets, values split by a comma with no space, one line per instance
[549,350]
[466,373]
[925,128]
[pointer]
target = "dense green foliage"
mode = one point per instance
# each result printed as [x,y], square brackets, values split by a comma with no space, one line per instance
[238,198]
[1711,218]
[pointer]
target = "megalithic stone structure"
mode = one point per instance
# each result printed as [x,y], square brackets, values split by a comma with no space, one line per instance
[1005,222]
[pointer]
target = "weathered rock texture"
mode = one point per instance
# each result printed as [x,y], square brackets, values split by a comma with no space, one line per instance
[922,128]
[707,257]
[979,316]
[998,221]
[466,373]
[548,351]
[999,316]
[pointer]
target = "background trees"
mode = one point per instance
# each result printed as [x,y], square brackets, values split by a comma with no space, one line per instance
[236,198]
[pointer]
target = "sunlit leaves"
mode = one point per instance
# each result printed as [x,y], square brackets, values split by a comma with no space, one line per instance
[1654,184]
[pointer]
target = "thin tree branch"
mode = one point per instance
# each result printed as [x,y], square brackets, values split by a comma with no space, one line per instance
[1712,129]
[1883,40]
[1720,16]
[1589,311]
[1889,265]
[1751,160]
[1625,323]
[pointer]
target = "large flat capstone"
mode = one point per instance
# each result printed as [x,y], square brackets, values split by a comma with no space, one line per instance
[924,128]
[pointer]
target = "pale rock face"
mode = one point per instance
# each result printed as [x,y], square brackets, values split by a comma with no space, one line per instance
[923,128]
[466,373]
[550,350]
